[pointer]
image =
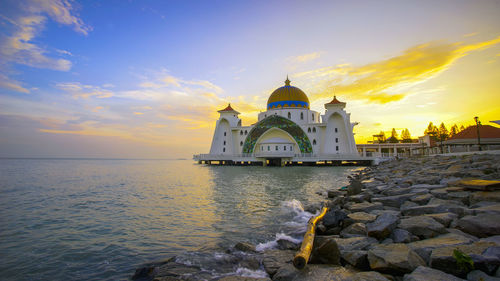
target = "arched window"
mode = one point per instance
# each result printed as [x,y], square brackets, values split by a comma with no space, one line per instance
[241,133]
[308,130]
[224,149]
[224,133]
[337,148]
[336,139]
[314,142]
[302,116]
[336,130]
[289,115]
[291,148]
[314,130]
[268,148]
[313,116]
[284,147]
[246,132]
[241,143]
[276,148]
[261,148]
[224,142]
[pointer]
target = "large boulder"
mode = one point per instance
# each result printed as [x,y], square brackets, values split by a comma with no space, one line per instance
[402,236]
[382,227]
[313,272]
[483,225]
[274,259]
[325,251]
[423,273]
[357,258]
[478,275]
[353,230]
[365,207]
[424,247]
[333,218]
[422,226]
[393,258]
[355,243]
[479,196]
[443,258]
[362,217]
[355,187]
[424,209]
[443,218]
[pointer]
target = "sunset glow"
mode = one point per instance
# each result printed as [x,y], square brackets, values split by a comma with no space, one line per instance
[135,79]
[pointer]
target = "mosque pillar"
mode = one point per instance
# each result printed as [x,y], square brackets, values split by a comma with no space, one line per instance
[395,151]
[364,151]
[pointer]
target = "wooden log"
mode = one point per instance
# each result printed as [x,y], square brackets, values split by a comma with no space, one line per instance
[302,257]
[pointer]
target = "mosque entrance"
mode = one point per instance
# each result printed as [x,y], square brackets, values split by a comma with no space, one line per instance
[276,162]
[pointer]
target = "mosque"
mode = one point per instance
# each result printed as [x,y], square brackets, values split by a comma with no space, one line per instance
[287,133]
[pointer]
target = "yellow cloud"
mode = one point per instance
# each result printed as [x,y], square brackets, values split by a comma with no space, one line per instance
[391,79]
[305,57]
[138,113]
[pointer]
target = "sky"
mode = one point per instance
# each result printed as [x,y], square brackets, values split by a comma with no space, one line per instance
[144,79]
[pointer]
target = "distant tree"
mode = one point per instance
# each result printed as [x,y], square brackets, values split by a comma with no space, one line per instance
[453,130]
[442,135]
[394,136]
[461,128]
[432,131]
[405,135]
[381,137]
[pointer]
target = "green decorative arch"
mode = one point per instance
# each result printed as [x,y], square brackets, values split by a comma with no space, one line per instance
[275,121]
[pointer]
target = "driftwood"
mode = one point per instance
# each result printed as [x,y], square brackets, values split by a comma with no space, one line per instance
[302,257]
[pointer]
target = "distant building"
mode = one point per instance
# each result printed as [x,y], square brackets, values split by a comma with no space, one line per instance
[467,139]
[288,131]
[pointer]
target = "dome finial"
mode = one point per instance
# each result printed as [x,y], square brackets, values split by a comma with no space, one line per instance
[287,81]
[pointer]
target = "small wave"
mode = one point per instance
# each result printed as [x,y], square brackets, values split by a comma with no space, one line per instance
[245,272]
[261,247]
[294,205]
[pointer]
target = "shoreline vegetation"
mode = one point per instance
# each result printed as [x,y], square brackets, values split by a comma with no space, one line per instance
[426,218]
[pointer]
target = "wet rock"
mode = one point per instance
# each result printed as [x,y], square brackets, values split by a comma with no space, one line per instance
[443,218]
[425,247]
[357,258]
[325,251]
[393,201]
[274,259]
[402,236]
[422,226]
[382,227]
[287,245]
[423,273]
[353,230]
[443,259]
[250,262]
[167,278]
[478,275]
[362,217]
[365,207]
[245,247]
[175,269]
[483,225]
[393,258]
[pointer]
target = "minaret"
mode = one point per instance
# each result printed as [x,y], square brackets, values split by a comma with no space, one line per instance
[222,142]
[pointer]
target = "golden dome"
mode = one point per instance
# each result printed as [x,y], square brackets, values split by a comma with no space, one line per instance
[288,96]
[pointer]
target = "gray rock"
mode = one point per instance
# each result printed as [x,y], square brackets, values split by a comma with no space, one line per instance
[422,226]
[425,247]
[402,236]
[355,243]
[483,225]
[333,218]
[393,258]
[334,193]
[287,245]
[425,209]
[357,258]
[423,273]
[369,276]
[493,209]
[407,205]
[274,259]
[478,275]
[360,197]
[353,230]
[393,201]
[479,196]
[365,207]
[443,218]
[382,227]
[313,272]
[355,187]
[325,251]
[362,217]
[421,199]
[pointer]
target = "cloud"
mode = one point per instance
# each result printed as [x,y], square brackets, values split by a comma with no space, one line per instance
[6,82]
[27,22]
[77,90]
[391,79]
[305,58]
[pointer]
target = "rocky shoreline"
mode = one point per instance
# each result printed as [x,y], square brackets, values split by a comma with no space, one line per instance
[407,219]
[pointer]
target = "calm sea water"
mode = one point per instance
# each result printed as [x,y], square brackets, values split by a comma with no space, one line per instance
[74,219]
